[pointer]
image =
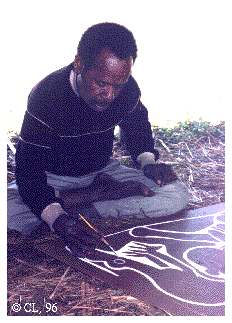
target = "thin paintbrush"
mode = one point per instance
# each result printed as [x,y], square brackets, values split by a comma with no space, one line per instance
[96,230]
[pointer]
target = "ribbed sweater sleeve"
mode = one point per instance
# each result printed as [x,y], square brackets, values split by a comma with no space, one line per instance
[31,178]
[32,154]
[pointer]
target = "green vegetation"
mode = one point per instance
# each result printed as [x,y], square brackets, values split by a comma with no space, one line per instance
[190,128]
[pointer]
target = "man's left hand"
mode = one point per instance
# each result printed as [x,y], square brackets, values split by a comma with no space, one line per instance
[161,173]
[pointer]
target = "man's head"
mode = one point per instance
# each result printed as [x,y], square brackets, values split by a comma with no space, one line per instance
[106,53]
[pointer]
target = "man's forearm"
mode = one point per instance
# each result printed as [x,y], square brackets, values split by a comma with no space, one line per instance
[32,181]
[138,133]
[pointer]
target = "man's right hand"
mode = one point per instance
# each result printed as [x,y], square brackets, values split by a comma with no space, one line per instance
[78,236]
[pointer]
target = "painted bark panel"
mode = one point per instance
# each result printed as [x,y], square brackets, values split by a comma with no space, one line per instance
[176,263]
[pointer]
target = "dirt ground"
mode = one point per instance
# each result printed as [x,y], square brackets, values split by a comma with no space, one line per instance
[58,290]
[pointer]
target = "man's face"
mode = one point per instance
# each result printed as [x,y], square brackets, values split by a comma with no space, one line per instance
[102,84]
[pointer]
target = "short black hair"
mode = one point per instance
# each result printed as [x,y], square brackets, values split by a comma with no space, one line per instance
[115,37]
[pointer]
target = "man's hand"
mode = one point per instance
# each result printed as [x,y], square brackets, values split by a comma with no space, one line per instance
[161,173]
[104,188]
[79,237]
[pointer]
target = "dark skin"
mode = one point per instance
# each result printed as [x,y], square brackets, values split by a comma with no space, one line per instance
[100,85]
[103,83]
[104,188]
[161,173]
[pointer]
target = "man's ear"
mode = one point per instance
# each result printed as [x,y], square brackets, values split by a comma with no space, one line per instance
[78,64]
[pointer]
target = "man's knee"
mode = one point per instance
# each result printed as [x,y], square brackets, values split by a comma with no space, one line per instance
[180,196]
[174,196]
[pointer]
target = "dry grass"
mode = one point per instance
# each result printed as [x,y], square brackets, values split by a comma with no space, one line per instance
[198,160]
[58,290]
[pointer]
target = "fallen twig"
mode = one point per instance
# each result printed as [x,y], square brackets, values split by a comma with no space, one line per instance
[165,146]
[191,175]
[31,265]
[60,281]
[189,150]
[99,308]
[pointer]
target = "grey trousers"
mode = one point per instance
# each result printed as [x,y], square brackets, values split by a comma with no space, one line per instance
[169,199]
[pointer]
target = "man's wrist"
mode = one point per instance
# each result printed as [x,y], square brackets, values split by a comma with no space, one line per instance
[146,158]
[51,213]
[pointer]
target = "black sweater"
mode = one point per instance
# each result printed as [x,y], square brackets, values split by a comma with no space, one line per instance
[63,135]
